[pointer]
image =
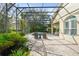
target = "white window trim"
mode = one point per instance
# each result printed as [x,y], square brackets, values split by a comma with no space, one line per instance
[69,20]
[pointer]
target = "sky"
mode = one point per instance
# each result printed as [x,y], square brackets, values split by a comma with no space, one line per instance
[38,5]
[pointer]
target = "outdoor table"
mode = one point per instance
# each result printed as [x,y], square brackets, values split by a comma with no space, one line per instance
[40,35]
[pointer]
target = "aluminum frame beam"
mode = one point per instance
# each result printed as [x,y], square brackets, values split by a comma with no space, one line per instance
[43,7]
[40,12]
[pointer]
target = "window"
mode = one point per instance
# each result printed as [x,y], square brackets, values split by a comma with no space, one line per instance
[70,26]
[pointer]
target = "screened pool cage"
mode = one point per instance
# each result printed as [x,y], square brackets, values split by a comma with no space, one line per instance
[28,13]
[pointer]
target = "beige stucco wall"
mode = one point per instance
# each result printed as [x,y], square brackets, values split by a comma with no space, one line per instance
[66,36]
[64,14]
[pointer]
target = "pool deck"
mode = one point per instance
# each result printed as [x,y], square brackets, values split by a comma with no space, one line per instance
[53,46]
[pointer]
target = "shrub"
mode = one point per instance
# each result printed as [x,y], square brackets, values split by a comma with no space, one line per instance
[21,33]
[4,38]
[17,37]
[20,52]
[10,40]
[5,42]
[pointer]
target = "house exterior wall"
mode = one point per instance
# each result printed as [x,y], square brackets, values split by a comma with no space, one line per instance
[71,9]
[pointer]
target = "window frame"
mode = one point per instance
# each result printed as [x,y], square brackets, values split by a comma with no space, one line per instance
[69,20]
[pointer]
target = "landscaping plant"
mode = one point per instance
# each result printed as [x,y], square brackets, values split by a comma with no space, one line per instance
[11,42]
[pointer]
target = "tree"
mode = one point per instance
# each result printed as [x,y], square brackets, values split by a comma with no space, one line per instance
[23,25]
[4,24]
[36,20]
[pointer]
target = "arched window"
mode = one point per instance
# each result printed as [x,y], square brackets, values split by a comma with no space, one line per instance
[70,25]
